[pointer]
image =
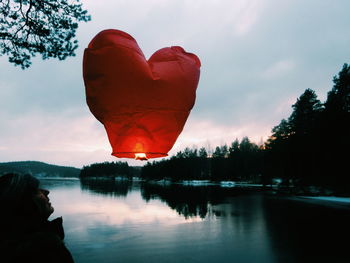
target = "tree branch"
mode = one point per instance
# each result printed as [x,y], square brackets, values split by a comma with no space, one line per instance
[26,17]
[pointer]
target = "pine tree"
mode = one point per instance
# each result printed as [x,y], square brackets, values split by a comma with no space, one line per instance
[305,112]
[335,125]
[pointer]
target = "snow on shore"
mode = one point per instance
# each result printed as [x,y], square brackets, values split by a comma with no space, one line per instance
[329,198]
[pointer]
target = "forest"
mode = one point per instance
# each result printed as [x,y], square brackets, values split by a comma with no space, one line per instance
[108,169]
[309,148]
[38,169]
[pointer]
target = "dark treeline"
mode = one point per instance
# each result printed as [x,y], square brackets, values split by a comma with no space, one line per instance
[311,147]
[239,162]
[108,169]
[38,169]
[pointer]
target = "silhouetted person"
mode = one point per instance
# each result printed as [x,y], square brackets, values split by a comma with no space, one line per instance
[26,235]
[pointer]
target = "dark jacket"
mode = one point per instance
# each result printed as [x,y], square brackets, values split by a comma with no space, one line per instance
[33,242]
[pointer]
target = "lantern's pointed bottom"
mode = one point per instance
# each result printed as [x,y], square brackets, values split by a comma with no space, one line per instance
[141,158]
[132,155]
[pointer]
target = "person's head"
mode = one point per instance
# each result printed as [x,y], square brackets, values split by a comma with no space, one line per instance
[20,195]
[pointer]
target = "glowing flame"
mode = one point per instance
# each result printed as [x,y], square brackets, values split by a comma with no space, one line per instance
[140,156]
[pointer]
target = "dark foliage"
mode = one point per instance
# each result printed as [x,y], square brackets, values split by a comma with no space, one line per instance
[107,169]
[46,27]
[311,147]
[239,162]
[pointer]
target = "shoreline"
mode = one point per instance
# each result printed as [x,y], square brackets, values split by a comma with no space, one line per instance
[325,201]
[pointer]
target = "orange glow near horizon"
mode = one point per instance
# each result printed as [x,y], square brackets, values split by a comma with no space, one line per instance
[140,156]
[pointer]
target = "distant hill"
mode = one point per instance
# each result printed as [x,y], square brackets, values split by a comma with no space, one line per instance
[39,169]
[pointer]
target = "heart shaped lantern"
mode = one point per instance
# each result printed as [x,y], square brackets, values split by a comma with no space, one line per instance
[143,104]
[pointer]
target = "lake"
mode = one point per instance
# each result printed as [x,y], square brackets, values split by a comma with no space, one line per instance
[109,221]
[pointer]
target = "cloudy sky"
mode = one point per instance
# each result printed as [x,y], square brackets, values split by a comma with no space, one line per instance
[257,57]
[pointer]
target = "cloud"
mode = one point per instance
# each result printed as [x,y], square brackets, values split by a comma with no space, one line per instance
[70,138]
[247,15]
[66,138]
[206,133]
[279,69]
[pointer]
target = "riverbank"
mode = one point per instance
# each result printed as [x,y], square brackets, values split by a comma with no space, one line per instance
[327,201]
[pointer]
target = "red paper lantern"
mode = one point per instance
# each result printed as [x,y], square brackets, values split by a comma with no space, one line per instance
[143,104]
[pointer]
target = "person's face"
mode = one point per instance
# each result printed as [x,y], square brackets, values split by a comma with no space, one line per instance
[41,199]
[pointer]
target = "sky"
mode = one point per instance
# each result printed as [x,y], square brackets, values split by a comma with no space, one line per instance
[257,56]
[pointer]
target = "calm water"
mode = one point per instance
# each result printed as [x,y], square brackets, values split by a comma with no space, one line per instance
[108,221]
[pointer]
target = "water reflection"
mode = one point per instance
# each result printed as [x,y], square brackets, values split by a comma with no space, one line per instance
[189,201]
[305,232]
[121,221]
[106,186]
[51,183]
